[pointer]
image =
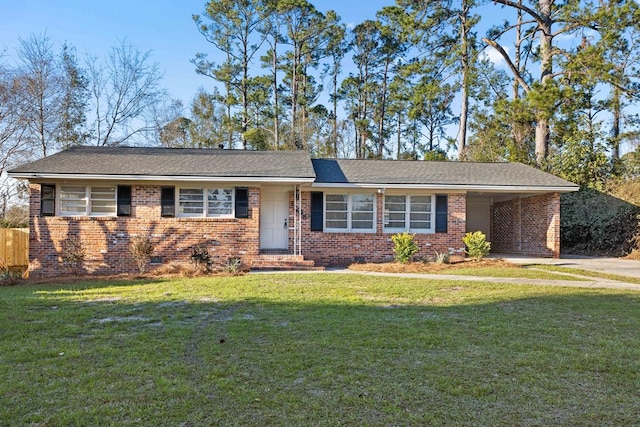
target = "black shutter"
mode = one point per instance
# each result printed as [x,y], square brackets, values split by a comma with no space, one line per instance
[441,213]
[242,202]
[168,202]
[317,211]
[124,200]
[47,200]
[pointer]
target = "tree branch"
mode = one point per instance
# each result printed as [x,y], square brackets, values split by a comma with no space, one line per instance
[523,8]
[514,70]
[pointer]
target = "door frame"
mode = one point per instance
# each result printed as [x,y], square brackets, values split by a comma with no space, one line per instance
[274,189]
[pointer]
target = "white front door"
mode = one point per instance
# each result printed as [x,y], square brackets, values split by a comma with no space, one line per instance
[274,217]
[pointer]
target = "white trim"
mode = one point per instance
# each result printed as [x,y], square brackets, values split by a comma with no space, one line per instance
[178,178]
[449,187]
[349,228]
[407,215]
[87,202]
[205,202]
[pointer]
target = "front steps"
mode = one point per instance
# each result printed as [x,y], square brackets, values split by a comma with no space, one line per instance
[283,262]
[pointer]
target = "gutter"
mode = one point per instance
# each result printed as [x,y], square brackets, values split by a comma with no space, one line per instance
[176,178]
[453,187]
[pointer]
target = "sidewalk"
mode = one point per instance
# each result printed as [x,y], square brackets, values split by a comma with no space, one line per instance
[584,282]
[623,267]
[588,282]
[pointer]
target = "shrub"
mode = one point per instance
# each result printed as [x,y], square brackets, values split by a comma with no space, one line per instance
[233,265]
[404,247]
[73,254]
[201,258]
[141,248]
[477,245]
[442,257]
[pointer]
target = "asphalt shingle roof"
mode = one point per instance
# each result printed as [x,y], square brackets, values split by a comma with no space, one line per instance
[173,162]
[186,162]
[433,173]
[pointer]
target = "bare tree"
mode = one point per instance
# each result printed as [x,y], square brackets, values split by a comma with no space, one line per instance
[40,91]
[125,88]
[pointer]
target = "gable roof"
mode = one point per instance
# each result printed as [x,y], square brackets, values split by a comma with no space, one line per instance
[171,163]
[431,174]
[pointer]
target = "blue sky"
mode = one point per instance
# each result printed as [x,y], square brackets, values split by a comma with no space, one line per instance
[162,26]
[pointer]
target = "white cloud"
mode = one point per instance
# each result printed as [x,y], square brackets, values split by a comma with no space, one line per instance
[494,56]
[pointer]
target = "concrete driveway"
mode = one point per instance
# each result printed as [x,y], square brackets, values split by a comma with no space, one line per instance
[620,266]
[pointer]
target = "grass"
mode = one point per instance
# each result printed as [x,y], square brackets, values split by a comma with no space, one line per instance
[317,349]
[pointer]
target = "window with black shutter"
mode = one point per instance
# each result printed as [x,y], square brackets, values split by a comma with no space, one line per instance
[242,202]
[441,213]
[47,200]
[124,200]
[168,201]
[317,211]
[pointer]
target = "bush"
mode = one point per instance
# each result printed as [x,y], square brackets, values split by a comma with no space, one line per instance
[442,258]
[73,254]
[233,265]
[141,248]
[201,258]
[404,247]
[596,223]
[477,245]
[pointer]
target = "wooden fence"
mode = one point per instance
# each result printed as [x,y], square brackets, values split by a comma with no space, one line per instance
[14,249]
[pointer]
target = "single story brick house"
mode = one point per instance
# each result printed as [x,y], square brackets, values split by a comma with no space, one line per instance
[278,206]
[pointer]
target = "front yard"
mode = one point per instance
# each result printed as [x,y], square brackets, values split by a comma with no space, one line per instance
[317,349]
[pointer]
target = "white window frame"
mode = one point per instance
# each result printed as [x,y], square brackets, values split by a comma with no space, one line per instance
[86,201]
[407,215]
[205,202]
[350,212]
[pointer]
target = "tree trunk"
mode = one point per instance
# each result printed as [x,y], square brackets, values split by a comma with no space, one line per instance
[617,119]
[464,61]
[334,131]
[546,67]
[383,105]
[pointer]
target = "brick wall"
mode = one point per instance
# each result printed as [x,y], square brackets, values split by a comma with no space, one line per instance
[106,239]
[528,226]
[339,249]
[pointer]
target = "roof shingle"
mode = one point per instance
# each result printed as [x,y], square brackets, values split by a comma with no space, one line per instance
[144,161]
[147,162]
[432,173]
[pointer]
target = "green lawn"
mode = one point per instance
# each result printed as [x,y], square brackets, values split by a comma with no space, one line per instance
[317,349]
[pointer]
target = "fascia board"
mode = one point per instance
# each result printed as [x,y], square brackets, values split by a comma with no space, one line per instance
[457,188]
[247,179]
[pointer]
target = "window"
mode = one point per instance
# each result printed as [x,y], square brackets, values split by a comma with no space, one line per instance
[47,200]
[103,200]
[95,201]
[408,213]
[191,201]
[220,202]
[209,202]
[362,212]
[350,212]
[337,211]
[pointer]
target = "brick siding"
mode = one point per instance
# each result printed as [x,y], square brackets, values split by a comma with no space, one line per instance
[528,226]
[106,239]
[524,226]
[339,249]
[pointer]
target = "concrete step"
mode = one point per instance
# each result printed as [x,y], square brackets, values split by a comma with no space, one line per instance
[283,262]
